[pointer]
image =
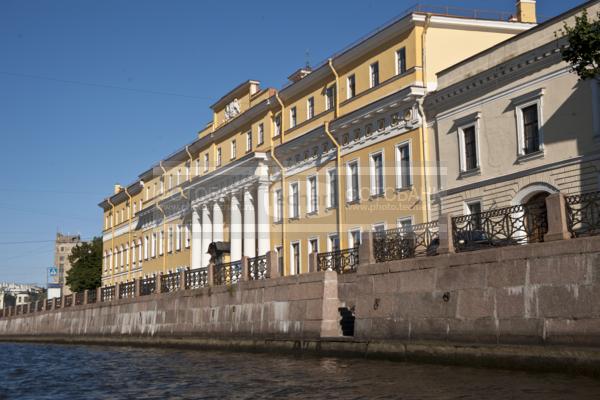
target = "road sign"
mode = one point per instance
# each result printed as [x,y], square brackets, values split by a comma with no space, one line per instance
[52,271]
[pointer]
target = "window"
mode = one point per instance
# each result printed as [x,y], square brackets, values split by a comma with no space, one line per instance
[313,245]
[404,222]
[134,208]
[296,258]
[310,107]
[277,130]
[161,243]
[279,250]
[153,245]
[377,188]
[351,86]
[529,116]
[330,97]
[278,205]
[469,149]
[249,141]
[294,203]
[474,208]
[403,168]
[133,253]
[233,149]
[354,236]
[178,238]
[147,192]
[141,204]
[170,181]
[140,251]
[146,247]
[206,162]
[379,227]
[219,157]
[178,176]
[261,134]
[187,236]
[531,142]
[121,257]
[333,243]
[374,71]
[162,185]
[292,117]
[170,240]
[312,200]
[198,165]
[401,61]
[353,182]
[187,171]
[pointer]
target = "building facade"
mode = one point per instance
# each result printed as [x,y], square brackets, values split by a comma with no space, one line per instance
[62,250]
[514,124]
[340,150]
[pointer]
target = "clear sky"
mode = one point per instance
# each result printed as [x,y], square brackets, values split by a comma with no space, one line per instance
[94,92]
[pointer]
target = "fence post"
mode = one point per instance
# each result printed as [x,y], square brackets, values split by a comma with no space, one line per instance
[182,279]
[99,294]
[313,262]
[159,278]
[365,250]
[117,291]
[446,245]
[245,269]
[136,287]
[210,277]
[272,267]
[556,207]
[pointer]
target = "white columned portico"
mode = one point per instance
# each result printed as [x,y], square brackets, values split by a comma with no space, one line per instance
[264,226]
[235,229]
[207,235]
[249,225]
[196,239]
[217,220]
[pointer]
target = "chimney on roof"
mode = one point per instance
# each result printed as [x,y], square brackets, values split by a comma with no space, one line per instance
[526,11]
[117,188]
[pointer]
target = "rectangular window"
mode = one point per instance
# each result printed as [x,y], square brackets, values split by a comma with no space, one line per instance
[296,258]
[293,117]
[233,149]
[404,222]
[198,166]
[334,243]
[403,168]
[354,238]
[161,243]
[178,238]
[140,251]
[330,97]
[206,162]
[278,205]
[351,86]
[531,142]
[219,157]
[279,250]
[261,134]
[377,188]
[162,185]
[353,182]
[249,141]
[401,61]
[178,177]
[146,248]
[313,246]
[310,107]
[474,208]
[379,227]
[277,124]
[312,203]
[187,236]
[187,171]
[170,182]
[294,201]
[374,70]
[470,148]
[153,248]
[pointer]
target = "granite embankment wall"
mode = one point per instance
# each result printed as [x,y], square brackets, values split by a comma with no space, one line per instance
[543,293]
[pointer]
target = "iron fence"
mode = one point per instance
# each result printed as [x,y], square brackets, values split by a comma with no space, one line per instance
[68,301]
[92,296]
[406,242]
[228,273]
[169,282]
[40,306]
[501,227]
[57,302]
[583,214]
[257,268]
[127,290]
[48,304]
[79,298]
[147,285]
[196,278]
[342,261]
[107,293]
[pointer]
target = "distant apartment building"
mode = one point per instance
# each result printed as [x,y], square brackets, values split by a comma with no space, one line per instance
[62,249]
[14,294]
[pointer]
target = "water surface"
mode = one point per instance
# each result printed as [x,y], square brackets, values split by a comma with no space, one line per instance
[41,371]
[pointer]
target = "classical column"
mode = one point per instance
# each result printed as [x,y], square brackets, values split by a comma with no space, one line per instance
[249,225]
[206,236]
[235,229]
[264,226]
[217,222]
[196,240]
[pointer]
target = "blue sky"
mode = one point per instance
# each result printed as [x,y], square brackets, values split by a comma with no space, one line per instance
[94,92]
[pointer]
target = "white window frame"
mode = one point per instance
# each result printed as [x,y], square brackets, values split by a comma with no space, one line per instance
[154,244]
[350,236]
[349,198]
[467,203]
[278,212]
[529,99]
[170,181]
[177,237]
[140,251]
[371,74]
[372,172]
[309,209]
[261,134]
[293,116]
[233,145]
[310,108]
[206,163]
[375,225]
[277,125]
[330,241]
[330,198]
[309,247]
[462,154]
[292,213]
[161,243]
[219,156]
[349,94]
[188,171]
[329,103]
[399,164]
[187,236]
[133,253]
[292,266]
[398,72]
[198,166]
[146,243]
[402,219]
[249,141]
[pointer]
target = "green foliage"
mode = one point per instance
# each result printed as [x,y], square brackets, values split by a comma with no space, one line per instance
[86,266]
[583,52]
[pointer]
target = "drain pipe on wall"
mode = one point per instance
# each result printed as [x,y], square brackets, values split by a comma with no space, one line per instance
[112,240]
[129,255]
[164,231]
[187,150]
[282,172]
[423,129]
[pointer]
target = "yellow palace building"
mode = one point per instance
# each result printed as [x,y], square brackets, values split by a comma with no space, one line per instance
[338,151]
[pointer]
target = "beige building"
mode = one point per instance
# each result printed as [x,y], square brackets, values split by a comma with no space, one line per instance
[512,124]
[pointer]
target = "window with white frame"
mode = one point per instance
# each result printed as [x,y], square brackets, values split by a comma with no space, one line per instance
[351,86]
[178,237]
[206,164]
[295,258]
[146,240]
[377,174]
[294,200]
[293,117]
[277,124]
[313,245]
[161,243]
[140,250]
[310,108]
[147,192]
[134,208]
[187,236]
[354,237]
[332,188]
[469,159]
[312,203]
[333,242]
[528,109]
[170,181]
[249,141]
[187,170]
[401,61]
[133,253]
[170,240]
[154,244]
[141,205]
[279,251]
[474,208]
[219,157]
[162,185]
[330,97]
[121,257]
[261,134]
[403,167]
[233,149]
[374,74]
[404,222]
[198,165]
[353,181]
[278,205]
[379,227]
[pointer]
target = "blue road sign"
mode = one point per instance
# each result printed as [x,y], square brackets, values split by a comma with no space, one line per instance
[52,271]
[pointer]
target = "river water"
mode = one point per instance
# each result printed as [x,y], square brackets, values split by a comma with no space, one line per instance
[39,371]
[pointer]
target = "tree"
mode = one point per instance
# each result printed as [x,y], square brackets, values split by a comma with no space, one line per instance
[86,266]
[583,52]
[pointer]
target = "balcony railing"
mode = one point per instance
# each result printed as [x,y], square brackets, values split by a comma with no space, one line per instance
[107,293]
[127,290]
[147,285]
[342,261]
[169,282]
[196,278]
[257,268]
[583,214]
[92,296]
[502,227]
[228,273]
[406,242]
